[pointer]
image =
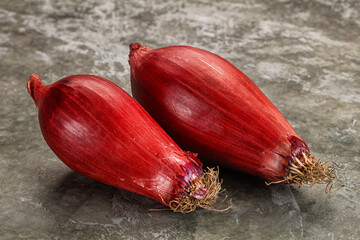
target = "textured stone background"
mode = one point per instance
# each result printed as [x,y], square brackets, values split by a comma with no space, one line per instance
[304,55]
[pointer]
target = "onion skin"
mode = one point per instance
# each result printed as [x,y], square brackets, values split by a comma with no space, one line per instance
[210,107]
[100,131]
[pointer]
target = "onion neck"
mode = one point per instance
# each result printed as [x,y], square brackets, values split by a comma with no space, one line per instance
[36,89]
[136,49]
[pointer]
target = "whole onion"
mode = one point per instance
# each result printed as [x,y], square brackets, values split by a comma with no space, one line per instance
[100,131]
[210,107]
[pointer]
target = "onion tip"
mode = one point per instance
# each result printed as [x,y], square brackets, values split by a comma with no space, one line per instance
[35,88]
[134,47]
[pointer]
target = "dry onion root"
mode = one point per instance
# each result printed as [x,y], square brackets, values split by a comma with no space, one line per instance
[210,181]
[313,172]
[188,203]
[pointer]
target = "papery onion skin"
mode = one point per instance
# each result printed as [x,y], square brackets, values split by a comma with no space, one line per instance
[210,107]
[100,131]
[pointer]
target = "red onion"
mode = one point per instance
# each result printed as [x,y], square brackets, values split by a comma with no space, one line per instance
[100,131]
[208,106]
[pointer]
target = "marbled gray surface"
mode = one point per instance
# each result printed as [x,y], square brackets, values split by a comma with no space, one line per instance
[304,55]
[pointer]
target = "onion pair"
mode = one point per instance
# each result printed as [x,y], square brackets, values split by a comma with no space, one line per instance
[202,101]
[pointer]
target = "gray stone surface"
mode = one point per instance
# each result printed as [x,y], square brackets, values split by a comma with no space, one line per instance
[304,55]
